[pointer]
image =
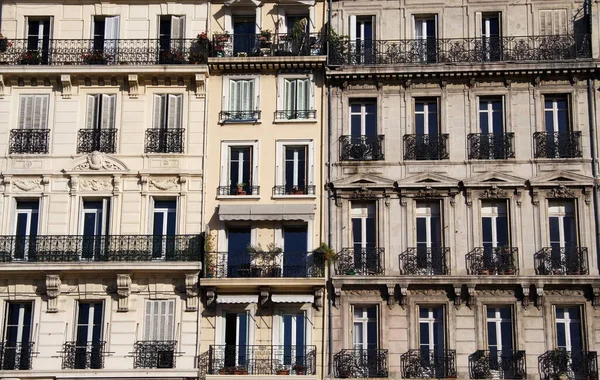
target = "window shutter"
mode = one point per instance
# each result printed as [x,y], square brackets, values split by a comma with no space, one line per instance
[40,111]
[108,110]
[289,95]
[303,86]
[249,95]
[159,111]
[177,23]
[170,325]
[478,24]
[111,28]
[553,22]
[234,95]
[91,112]
[352,28]
[148,321]
[174,116]
[25,111]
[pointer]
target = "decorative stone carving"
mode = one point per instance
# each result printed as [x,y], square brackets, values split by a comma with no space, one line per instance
[97,161]
[457,296]
[164,184]
[27,185]
[391,297]
[561,192]
[363,194]
[191,291]
[211,296]
[123,291]
[427,193]
[403,295]
[94,185]
[496,292]
[263,295]
[200,85]
[337,293]
[471,293]
[362,292]
[494,192]
[596,297]
[525,301]
[539,293]
[565,292]
[318,298]
[134,85]
[65,80]
[53,284]
[428,292]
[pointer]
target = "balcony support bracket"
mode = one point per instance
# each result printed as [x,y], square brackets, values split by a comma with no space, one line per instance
[264,295]
[67,88]
[123,291]
[191,291]
[457,295]
[211,296]
[318,298]
[134,85]
[391,296]
[471,293]
[200,86]
[53,283]
[403,295]
[539,296]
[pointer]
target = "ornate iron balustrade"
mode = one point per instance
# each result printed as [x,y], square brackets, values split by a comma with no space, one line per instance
[561,261]
[490,146]
[294,190]
[493,261]
[575,364]
[262,45]
[105,52]
[426,147]
[83,355]
[361,148]
[425,261]
[154,354]
[165,140]
[504,364]
[360,261]
[296,115]
[428,364]
[246,189]
[361,363]
[15,356]
[262,360]
[108,248]
[239,116]
[263,264]
[101,140]
[557,144]
[29,141]
[460,50]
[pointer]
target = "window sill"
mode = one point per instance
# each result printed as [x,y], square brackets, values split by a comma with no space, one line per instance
[238,197]
[293,121]
[301,196]
[253,121]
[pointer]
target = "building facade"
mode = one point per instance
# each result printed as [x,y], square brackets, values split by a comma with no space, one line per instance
[462,189]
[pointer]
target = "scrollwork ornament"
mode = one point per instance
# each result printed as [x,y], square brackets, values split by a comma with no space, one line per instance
[27,185]
[165,184]
[494,192]
[561,192]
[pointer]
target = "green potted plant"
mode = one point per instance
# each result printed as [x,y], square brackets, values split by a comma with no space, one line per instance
[327,252]
[95,57]
[31,57]
[481,368]
[282,370]
[559,360]
[299,369]
[240,370]
[4,44]
[209,254]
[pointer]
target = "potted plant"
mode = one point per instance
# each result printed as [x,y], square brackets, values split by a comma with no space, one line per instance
[299,369]
[196,57]
[265,38]
[240,371]
[209,254]
[171,56]
[240,188]
[481,368]
[96,57]
[220,40]
[4,44]
[30,58]
[559,360]
[282,371]
[226,371]
[327,253]
[295,190]
[351,272]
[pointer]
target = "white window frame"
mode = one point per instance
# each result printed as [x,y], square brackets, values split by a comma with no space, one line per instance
[43,116]
[364,321]
[554,110]
[363,211]
[226,95]
[567,320]
[430,321]
[425,101]
[105,214]
[103,114]
[281,78]
[225,149]
[21,319]
[497,320]
[425,210]
[28,212]
[164,122]
[90,322]
[490,112]
[558,209]
[280,159]
[493,211]
[362,113]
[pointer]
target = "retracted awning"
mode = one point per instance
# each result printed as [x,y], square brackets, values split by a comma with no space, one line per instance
[237,298]
[292,298]
[304,212]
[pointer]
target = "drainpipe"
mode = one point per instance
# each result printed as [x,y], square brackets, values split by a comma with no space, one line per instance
[592,121]
[329,202]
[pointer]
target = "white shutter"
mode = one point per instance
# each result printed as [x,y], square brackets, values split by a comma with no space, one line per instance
[174,115]
[148,320]
[159,111]
[111,28]
[289,95]
[161,318]
[91,114]
[247,95]
[25,111]
[281,20]
[40,111]
[302,91]
[177,24]
[553,22]
[258,20]
[108,111]
[352,28]
[234,95]
[478,24]
[170,325]
[228,20]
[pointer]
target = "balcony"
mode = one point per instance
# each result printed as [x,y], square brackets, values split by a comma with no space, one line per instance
[294,190]
[505,364]
[15,356]
[165,140]
[263,265]
[361,148]
[296,115]
[360,262]
[361,363]
[29,141]
[111,248]
[426,147]
[239,116]
[262,360]
[154,354]
[105,52]
[267,45]
[460,50]
[561,261]
[83,355]
[493,261]
[490,146]
[428,364]
[423,261]
[101,140]
[557,144]
[574,364]
[242,190]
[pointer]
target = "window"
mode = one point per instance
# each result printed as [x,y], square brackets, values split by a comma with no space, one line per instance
[242,103]
[553,22]
[292,20]
[17,336]
[293,337]
[26,228]
[363,118]
[38,40]
[492,142]
[167,135]
[33,111]
[563,236]
[171,37]
[426,116]
[168,111]
[364,238]
[363,143]
[297,98]
[491,115]
[556,113]
[296,169]
[569,328]
[101,111]
[500,338]
[164,227]
[558,139]
[239,168]
[89,345]
[365,335]
[236,339]
[427,143]
[432,342]
[105,33]
[490,36]
[362,33]
[430,255]
[244,34]
[238,257]
[295,251]
[425,38]
[158,350]
[495,236]
[94,225]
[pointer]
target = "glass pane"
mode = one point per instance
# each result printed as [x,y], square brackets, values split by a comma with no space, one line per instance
[424,335]
[502,231]
[356,125]
[492,335]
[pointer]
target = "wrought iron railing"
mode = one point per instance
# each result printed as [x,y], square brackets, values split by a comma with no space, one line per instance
[490,146]
[561,261]
[574,364]
[15,356]
[296,115]
[83,355]
[262,360]
[260,45]
[29,141]
[362,148]
[360,261]
[154,354]
[105,52]
[97,139]
[165,140]
[294,190]
[493,261]
[557,144]
[425,261]
[245,189]
[237,116]
[426,147]
[69,248]
[361,363]
[263,264]
[428,364]
[494,364]
[460,50]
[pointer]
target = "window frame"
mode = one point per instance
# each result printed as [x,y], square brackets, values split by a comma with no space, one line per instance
[280,162]
[44,122]
[106,214]
[281,78]
[363,113]
[582,325]
[147,334]
[227,96]
[498,322]
[225,155]
[364,320]
[426,100]
[494,215]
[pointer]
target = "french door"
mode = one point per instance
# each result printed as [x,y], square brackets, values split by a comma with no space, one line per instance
[364,236]
[17,336]
[563,236]
[236,340]
[500,339]
[295,248]
[425,39]
[244,35]
[88,344]
[163,229]
[430,258]
[495,236]
[94,227]
[238,258]
[293,337]
[105,35]
[26,229]
[490,37]
[38,39]
[432,341]
[362,36]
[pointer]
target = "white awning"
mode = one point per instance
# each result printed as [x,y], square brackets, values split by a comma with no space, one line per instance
[304,212]
[292,298]
[237,298]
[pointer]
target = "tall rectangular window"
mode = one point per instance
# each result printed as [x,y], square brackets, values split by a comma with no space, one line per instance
[432,340]
[240,169]
[296,168]
[430,257]
[293,337]
[494,225]
[159,320]
[295,248]
[164,227]
[105,33]
[38,38]
[425,38]
[426,117]
[491,115]
[500,338]
[238,258]
[168,110]
[244,34]
[362,33]
[569,328]
[170,38]
[557,113]
[364,237]
[237,326]
[491,37]
[17,336]
[88,344]
[363,118]
[26,228]
[94,226]
[33,111]
[553,22]
[101,110]
[297,98]
[365,335]
[241,98]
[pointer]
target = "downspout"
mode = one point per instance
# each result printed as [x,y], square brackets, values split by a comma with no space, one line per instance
[329,201]
[592,127]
